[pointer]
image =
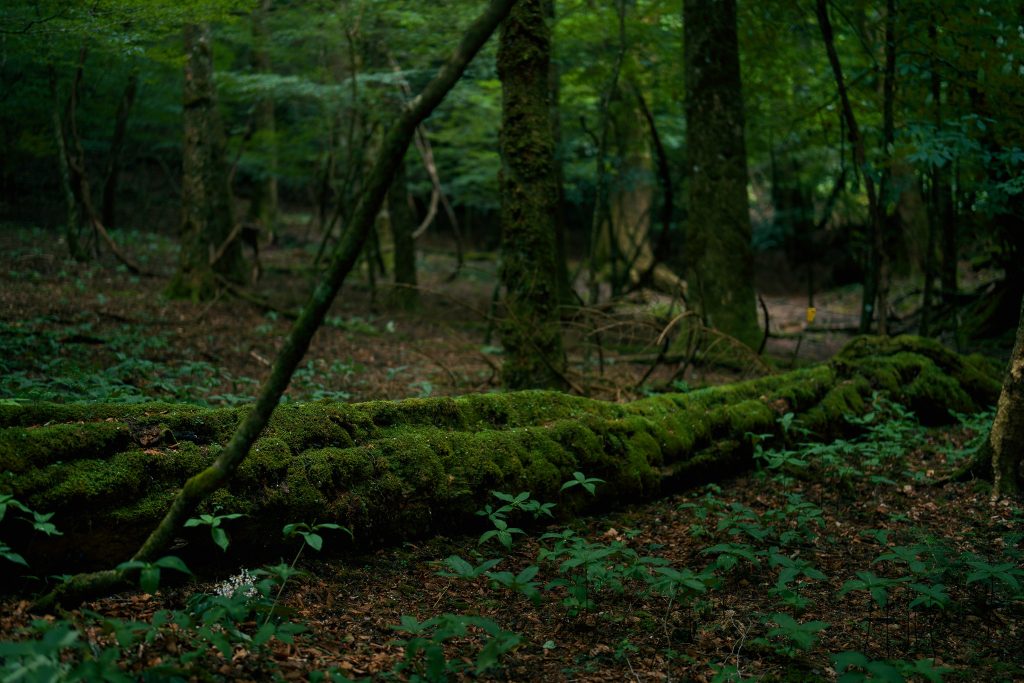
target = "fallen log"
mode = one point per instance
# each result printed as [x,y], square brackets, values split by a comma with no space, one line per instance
[394,470]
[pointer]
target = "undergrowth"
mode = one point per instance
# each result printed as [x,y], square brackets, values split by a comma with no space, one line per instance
[895,602]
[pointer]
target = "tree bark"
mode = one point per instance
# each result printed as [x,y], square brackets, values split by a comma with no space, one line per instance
[885,233]
[1006,440]
[530,332]
[403,222]
[393,149]
[718,250]
[210,248]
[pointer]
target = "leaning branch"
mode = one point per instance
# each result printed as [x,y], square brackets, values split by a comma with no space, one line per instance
[392,151]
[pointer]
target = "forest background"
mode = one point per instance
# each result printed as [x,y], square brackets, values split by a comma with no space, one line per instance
[618,211]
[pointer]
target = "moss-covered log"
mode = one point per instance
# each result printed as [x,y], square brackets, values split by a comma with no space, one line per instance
[391,470]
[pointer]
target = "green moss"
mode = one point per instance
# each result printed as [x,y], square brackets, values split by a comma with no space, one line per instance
[268,459]
[390,469]
[845,398]
[753,417]
[336,468]
[89,483]
[22,448]
[310,425]
[148,510]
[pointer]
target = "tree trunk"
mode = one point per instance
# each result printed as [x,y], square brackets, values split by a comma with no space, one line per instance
[871,277]
[631,199]
[264,207]
[718,251]
[941,222]
[397,470]
[530,333]
[886,232]
[566,294]
[600,222]
[108,214]
[210,247]
[1006,440]
[403,222]
[73,225]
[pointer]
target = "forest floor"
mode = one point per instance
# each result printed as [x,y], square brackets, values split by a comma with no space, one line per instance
[850,550]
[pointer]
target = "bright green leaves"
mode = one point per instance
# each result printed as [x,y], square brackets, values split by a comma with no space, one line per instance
[149,572]
[425,658]
[588,483]
[219,535]
[309,533]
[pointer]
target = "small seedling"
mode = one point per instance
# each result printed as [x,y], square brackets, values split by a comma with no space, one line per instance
[217,533]
[588,483]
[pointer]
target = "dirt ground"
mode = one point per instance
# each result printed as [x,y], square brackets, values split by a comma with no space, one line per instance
[367,349]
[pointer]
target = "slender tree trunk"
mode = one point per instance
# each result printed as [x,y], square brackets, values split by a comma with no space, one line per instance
[939,199]
[631,198]
[566,296]
[403,222]
[73,226]
[663,248]
[531,333]
[108,214]
[719,254]
[264,207]
[860,159]
[600,219]
[1006,440]
[78,175]
[886,220]
[950,251]
[210,248]
[197,488]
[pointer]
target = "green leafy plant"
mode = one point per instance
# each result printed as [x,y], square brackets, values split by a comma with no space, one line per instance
[522,582]
[1006,573]
[855,667]
[310,533]
[217,533]
[425,658]
[521,502]
[589,484]
[149,572]
[876,586]
[461,569]
[793,634]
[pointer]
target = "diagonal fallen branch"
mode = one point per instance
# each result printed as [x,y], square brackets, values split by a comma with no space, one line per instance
[197,488]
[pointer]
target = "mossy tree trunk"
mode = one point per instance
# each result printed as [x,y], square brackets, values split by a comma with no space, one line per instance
[530,332]
[209,247]
[1006,440]
[395,470]
[718,250]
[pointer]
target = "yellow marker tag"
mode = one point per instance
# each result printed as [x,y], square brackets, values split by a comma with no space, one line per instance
[811,311]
